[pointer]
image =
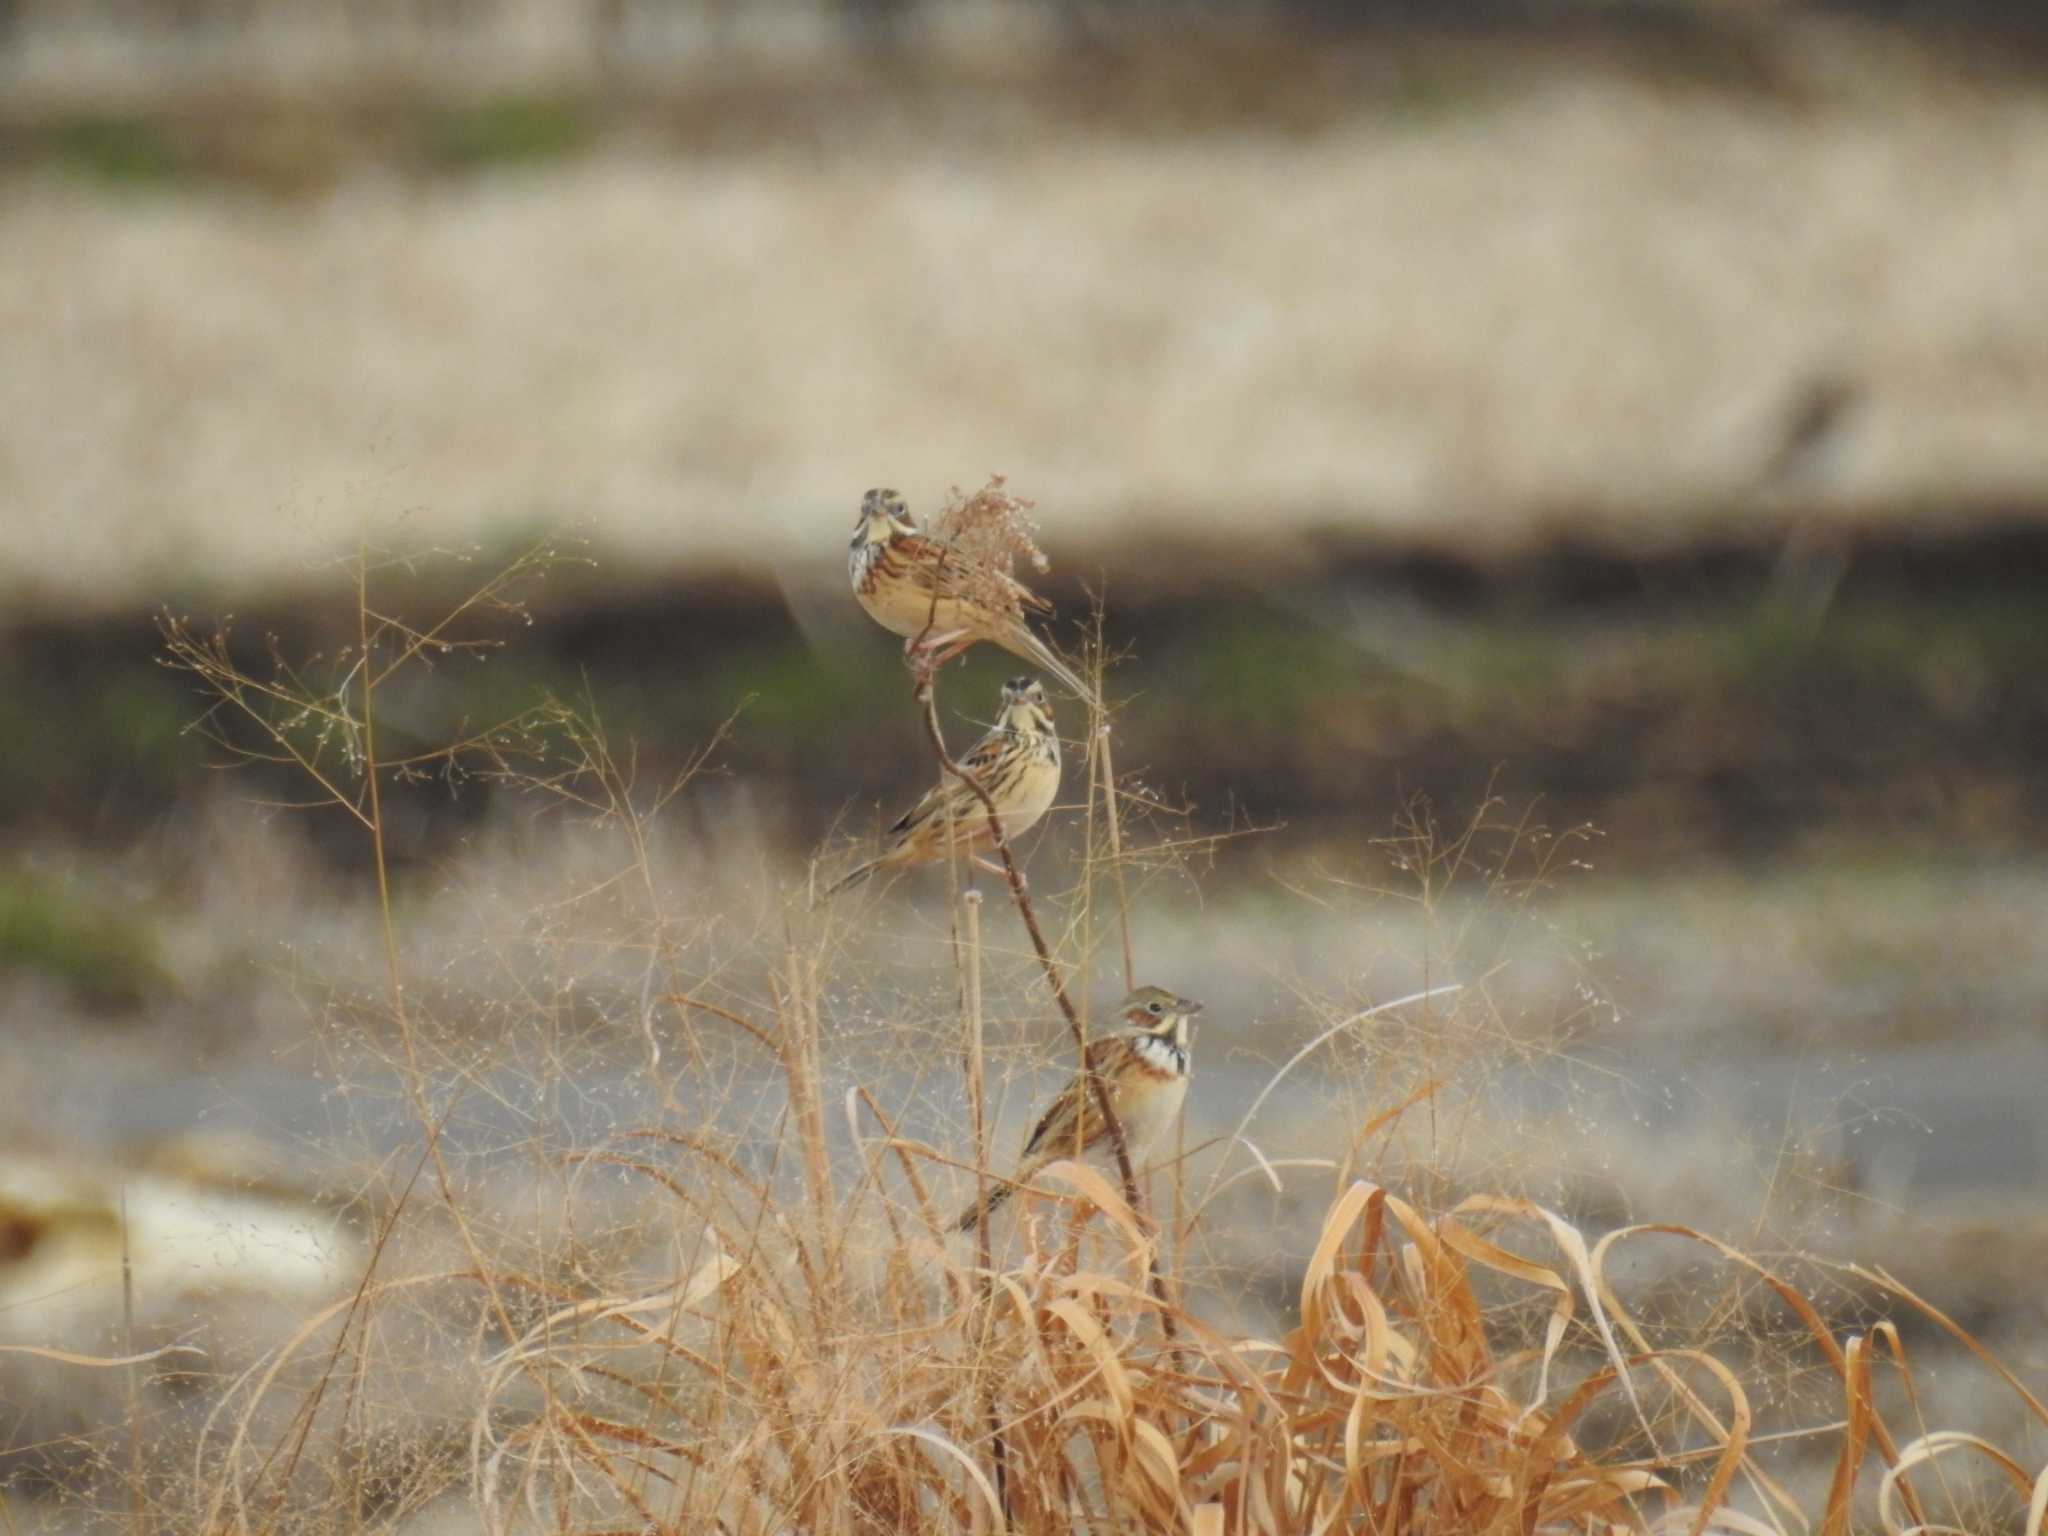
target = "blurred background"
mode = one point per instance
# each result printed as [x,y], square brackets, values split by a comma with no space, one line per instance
[1621,428]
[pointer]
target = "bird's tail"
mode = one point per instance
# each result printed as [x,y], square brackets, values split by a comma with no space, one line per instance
[853,876]
[996,1196]
[1024,643]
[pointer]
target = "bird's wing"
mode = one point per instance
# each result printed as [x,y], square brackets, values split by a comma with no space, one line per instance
[931,564]
[950,799]
[1078,1096]
[914,816]
[938,567]
[1025,597]
[994,761]
[1058,1115]
[920,813]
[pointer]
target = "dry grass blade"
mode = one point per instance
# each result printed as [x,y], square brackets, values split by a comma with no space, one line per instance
[940,1443]
[1087,1182]
[1855,1436]
[1428,994]
[1568,1238]
[1772,1494]
[1925,1450]
[100,1362]
[1961,1335]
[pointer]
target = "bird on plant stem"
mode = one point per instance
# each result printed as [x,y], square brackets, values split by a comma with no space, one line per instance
[1145,1067]
[1017,762]
[939,597]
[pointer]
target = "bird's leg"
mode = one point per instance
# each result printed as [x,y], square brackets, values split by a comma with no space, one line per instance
[929,639]
[995,869]
[949,646]
[928,651]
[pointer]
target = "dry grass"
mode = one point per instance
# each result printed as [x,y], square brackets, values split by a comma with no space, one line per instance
[993,527]
[739,1311]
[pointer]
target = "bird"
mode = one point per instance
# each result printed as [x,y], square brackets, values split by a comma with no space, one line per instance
[1144,1065]
[940,598]
[1017,762]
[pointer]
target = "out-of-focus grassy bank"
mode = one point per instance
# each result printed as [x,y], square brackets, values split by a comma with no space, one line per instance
[1717,703]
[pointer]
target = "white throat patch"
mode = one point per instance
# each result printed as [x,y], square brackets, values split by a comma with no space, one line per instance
[1159,1051]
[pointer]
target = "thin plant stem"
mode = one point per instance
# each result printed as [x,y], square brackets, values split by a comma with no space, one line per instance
[1102,771]
[796,997]
[1099,750]
[977,1109]
[976,1104]
[135,1498]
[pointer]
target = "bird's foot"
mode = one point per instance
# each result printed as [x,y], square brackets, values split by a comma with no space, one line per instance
[978,862]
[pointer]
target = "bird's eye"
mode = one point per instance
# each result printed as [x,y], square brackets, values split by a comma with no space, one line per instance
[1155,1006]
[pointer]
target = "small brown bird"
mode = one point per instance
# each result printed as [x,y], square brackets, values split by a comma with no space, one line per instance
[938,597]
[1017,762]
[1146,1068]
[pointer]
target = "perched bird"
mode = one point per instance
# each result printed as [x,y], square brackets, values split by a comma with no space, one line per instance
[1145,1066]
[940,598]
[1017,762]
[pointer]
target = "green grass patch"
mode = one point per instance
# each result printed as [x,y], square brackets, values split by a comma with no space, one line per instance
[111,959]
[75,744]
[1262,674]
[118,151]
[505,131]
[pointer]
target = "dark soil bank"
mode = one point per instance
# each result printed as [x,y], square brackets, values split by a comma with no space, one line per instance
[1736,699]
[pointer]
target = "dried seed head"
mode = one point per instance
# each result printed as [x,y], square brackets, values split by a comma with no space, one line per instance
[992,527]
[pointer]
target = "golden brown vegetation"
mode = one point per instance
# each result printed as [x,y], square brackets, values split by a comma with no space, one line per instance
[777,1336]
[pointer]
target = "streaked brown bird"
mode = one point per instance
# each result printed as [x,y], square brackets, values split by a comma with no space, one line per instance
[1145,1066]
[1017,762]
[940,598]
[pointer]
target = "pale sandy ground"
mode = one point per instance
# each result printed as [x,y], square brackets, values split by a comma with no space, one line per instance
[1572,303]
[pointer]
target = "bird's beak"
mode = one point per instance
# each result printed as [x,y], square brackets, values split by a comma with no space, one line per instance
[1190,1007]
